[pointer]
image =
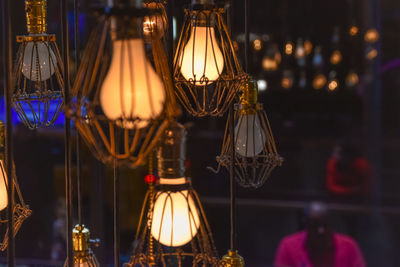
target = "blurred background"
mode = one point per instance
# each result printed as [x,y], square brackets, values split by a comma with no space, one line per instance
[329,78]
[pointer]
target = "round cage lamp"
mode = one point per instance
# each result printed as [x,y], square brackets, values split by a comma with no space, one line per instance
[206,70]
[121,103]
[173,228]
[256,155]
[83,254]
[21,211]
[155,24]
[38,71]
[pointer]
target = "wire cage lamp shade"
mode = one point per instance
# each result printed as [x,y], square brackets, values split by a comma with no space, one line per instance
[120,102]
[21,211]
[38,71]
[155,24]
[206,70]
[173,229]
[256,155]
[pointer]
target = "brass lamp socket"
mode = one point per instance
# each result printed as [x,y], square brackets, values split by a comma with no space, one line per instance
[249,97]
[125,27]
[80,238]
[233,259]
[36,16]
[171,152]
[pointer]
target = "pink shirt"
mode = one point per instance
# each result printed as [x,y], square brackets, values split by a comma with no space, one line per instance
[292,252]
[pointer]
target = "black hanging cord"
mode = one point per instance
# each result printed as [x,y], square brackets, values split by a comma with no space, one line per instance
[170,39]
[116,216]
[247,36]
[68,180]
[78,152]
[7,57]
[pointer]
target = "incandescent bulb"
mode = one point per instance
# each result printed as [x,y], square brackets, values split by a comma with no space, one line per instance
[300,51]
[39,61]
[202,59]
[131,89]
[250,139]
[175,217]
[3,187]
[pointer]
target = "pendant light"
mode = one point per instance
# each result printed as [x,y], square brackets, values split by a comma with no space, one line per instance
[38,71]
[21,211]
[155,24]
[83,254]
[206,71]
[119,97]
[256,155]
[173,226]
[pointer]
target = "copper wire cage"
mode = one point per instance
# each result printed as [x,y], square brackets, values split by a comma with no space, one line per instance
[38,77]
[207,73]
[149,251]
[256,154]
[156,23]
[124,138]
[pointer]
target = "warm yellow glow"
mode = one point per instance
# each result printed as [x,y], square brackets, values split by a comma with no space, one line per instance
[175,218]
[353,30]
[371,36]
[269,64]
[308,47]
[300,51]
[202,57]
[3,187]
[131,89]
[257,44]
[155,23]
[332,85]
[38,52]
[289,48]
[336,57]
[287,83]
[235,46]
[372,54]
[352,79]
[319,81]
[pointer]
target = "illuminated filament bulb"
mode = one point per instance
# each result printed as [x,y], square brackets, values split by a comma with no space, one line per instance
[39,61]
[3,187]
[202,60]
[131,88]
[175,216]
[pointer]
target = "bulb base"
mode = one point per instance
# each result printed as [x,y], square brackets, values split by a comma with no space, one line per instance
[125,27]
[249,97]
[80,238]
[233,259]
[36,16]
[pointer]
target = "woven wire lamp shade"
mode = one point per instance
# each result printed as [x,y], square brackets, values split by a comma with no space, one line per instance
[206,70]
[118,117]
[256,155]
[38,72]
[149,251]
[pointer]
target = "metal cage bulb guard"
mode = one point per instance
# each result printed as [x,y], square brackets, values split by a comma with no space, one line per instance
[206,70]
[38,71]
[256,155]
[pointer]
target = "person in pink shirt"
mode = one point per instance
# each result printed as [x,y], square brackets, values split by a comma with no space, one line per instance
[318,245]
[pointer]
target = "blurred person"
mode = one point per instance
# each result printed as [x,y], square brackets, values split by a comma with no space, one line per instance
[318,245]
[347,172]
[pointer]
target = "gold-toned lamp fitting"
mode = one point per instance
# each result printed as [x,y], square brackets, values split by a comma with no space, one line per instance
[80,238]
[125,27]
[36,16]
[171,152]
[233,259]
[249,97]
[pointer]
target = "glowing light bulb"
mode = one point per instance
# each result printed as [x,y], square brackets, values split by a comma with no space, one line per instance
[353,30]
[288,48]
[336,57]
[300,51]
[257,44]
[333,83]
[319,81]
[308,47]
[287,79]
[3,187]
[250,138]
[371,36]
[202,59]
[154,24]
[175,217]
[351,79]
[39,61]
[131,89]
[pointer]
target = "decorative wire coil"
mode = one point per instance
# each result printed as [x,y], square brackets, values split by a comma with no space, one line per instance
[252,166]
[20,212]
[108,139]
[148,251]
[38,76]
[199,94]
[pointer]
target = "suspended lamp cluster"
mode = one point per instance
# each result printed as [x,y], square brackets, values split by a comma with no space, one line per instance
[256,155]
[38,71]
[207,73]
[119,97]
[173,229]
[21,211]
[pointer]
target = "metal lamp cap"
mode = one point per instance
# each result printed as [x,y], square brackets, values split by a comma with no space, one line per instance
[249,97]
[36,16]
[80,238]
[233,259]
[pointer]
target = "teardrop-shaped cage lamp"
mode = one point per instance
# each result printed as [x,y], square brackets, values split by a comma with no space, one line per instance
[206,70]
[38,71]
